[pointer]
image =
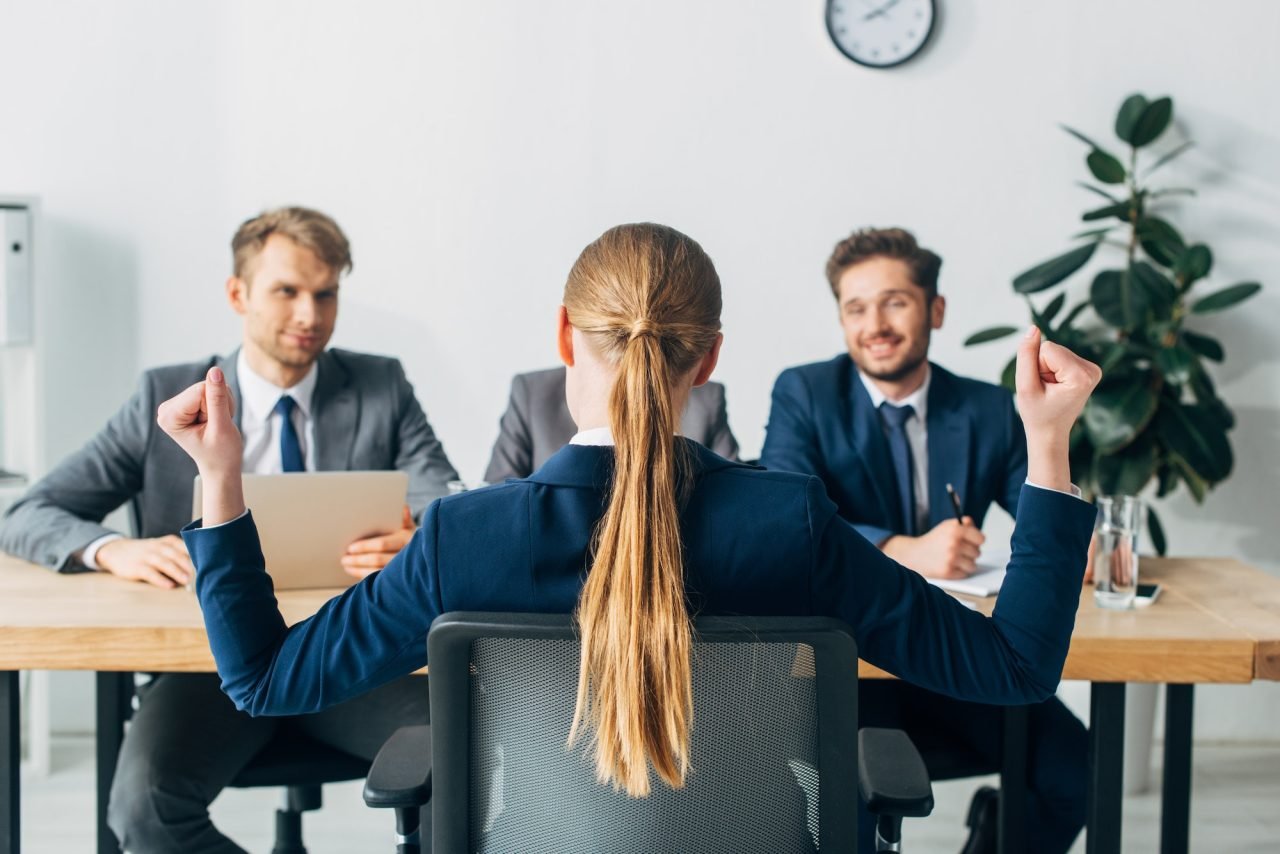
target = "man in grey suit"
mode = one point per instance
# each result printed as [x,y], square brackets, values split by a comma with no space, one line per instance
[299,407]
[537,424]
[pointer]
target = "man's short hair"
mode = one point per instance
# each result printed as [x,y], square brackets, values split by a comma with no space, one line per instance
[308,228]
[867,243]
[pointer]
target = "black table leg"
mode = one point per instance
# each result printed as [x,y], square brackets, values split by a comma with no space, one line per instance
[1106,767]
[10,763]
[1175,796]
[1013,782]
[113,695]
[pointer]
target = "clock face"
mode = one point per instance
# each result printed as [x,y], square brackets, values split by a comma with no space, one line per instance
[880,33]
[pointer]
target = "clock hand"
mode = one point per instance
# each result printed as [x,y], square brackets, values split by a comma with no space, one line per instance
[881,11]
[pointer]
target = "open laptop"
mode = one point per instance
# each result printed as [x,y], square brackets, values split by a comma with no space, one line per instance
[306,520]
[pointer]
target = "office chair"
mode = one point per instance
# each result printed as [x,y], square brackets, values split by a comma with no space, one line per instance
[293,761]
[301,765]
[775,724]
[298,764]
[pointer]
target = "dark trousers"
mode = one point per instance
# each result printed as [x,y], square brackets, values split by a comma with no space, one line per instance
[187,742]
[945,730]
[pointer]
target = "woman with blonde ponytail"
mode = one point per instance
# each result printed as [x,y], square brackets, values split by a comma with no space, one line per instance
[629,523]
[645,300]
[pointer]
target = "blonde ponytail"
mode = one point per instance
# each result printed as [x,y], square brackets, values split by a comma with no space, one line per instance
[649,299]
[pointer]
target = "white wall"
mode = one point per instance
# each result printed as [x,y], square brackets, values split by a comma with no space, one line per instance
[472,149]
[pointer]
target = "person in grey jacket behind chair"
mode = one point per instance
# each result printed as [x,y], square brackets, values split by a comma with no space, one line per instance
[300,407]
[537,423]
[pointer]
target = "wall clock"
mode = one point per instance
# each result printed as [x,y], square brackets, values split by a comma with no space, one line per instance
[880,33]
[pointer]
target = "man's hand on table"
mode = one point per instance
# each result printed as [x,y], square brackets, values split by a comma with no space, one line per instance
[365,557]
[162,561]
[950,550]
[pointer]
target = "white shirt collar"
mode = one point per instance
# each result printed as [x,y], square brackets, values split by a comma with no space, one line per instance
[258,396]
[917,400]
[594,436]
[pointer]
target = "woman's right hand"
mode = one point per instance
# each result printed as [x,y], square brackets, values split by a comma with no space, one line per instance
[199,419]
[1053,385]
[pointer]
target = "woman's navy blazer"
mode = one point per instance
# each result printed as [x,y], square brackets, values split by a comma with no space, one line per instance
[756,542]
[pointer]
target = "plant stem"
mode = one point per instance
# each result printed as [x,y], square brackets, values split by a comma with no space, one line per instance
[1133,205]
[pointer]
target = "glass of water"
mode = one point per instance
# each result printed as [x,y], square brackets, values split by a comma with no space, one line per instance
[1115,573]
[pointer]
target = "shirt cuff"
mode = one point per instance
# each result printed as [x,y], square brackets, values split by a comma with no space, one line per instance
[199,523]
[1075,490]
[89,557]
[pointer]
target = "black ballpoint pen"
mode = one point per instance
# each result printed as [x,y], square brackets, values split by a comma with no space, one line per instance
[955,503]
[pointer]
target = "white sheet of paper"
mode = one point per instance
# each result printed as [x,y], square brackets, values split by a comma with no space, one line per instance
[986,581]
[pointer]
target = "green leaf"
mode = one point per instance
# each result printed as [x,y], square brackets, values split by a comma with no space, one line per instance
[1101,192]
[1051,310]
[1195,483]
[1160,240]
[1105,168]
[1165,158]
[1080,455]
[1119,410]
[1202,387]
[992,334]
[1120,211]
[1160,293]
[1208,347]
[1072,315]
[1053,271]
[1112,358]
[1008,375]
[1078,135]
[1207,396]
[1075,340]
[1194,263]
[1152,122]
[1172,191]
[1156,530]
[1176,364]
[1197,436]
[1168,476]
[1127,471]
[1128,116]
[1225,298]
[1093,233]
[1118,299]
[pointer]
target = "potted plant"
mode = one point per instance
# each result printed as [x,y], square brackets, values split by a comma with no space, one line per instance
[1156,415]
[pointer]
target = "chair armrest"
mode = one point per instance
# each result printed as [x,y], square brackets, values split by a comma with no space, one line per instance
[891,775]
[401,774]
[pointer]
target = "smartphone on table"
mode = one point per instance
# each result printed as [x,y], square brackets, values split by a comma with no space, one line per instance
[1145,594]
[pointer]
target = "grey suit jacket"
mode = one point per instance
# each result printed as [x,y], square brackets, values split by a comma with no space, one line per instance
[537,423]
[366,418]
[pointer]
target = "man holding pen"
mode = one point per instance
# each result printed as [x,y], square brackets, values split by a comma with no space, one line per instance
[913,457]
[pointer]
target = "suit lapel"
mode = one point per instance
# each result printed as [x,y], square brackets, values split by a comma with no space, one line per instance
[871,448]
[336,410]
[949,443]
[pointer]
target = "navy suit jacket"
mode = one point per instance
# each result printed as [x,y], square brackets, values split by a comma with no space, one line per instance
[822,422]
[756,542]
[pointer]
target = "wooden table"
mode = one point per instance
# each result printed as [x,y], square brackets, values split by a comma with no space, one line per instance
[94,621]
[1217,621]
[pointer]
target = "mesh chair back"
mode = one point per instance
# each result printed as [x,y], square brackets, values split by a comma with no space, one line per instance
[773,743]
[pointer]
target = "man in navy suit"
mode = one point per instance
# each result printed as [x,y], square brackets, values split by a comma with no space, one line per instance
[887,431]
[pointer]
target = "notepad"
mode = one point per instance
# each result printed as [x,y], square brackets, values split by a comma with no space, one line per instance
[986,581]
